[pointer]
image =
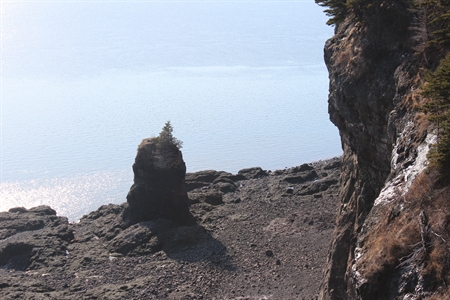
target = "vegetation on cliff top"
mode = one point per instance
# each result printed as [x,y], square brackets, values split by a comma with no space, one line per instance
[438,13]
[336,10]
[364,10]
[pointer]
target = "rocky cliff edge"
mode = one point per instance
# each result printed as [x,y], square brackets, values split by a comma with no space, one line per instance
[376,67]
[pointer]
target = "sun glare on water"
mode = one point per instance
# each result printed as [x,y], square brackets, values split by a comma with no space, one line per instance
[70,196]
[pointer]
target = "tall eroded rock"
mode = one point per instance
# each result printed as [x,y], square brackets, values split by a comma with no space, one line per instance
[159,189]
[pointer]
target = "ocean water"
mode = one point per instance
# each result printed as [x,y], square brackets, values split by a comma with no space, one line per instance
[82,83]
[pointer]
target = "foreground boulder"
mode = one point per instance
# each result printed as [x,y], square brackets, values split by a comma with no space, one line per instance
[159,189]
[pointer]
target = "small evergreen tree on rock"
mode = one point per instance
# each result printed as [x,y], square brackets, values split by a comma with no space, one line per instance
[166,137]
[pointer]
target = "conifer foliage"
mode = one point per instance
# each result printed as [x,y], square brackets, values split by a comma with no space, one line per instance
[166,137]
[366,11]
[437,86]
[337,10]
[437,90]
[438,14]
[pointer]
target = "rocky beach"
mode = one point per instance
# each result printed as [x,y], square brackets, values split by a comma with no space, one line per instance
[253,235]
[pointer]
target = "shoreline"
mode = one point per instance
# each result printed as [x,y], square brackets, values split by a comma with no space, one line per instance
[58,194]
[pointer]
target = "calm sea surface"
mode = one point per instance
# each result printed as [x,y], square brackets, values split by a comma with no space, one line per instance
[82,83]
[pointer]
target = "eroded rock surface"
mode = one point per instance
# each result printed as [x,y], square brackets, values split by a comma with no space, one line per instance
[33,238]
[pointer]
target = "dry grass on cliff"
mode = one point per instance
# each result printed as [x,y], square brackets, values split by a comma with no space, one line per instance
[388,244]
[434,201]
[422,124]
[397,243]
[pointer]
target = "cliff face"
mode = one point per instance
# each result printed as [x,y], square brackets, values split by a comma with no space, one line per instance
[374,69]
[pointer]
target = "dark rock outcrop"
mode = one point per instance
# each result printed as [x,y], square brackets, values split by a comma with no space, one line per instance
[104,223]
[205,178]
[159,189]
[251,173]
[301,177]
[210,197]
[29,237]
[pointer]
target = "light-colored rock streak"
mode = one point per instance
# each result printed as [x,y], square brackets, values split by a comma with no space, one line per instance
[400,184]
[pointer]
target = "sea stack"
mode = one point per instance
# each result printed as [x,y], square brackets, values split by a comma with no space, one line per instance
[159,189]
